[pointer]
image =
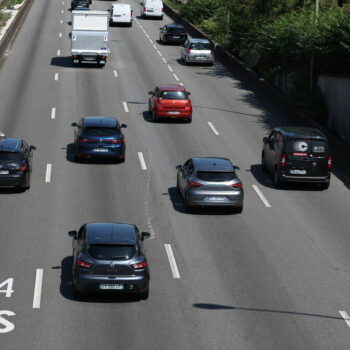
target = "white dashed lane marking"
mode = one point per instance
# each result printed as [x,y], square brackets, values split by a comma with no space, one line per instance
[262,197]
[60,35]
[212,127]
[53,113]
[176,77]
[56,76]
[115,73]
[346,317]
[142,161]
[38,288]
[125,105]
[172,261]
[171,70]
[58,52]
[164,60]
[48,173]
[61,21]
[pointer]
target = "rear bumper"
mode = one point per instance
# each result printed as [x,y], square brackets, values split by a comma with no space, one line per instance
[12,180]
[200,59]
[116,21]
[152,14]
[233,199]
[91,153]
[165,114]
[315,179]
[98,59]
[170,39]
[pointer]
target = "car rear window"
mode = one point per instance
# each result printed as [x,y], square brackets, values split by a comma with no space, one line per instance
[173,95]
[305,147]
[112,251]
[10,156]
[175,29]
[200,46]
[216,176]
[100,131]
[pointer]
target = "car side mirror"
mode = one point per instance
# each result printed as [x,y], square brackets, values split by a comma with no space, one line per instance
[33,148]
[73,234]
[178,167]
[265,139]
[74,124]
[237,167]
[188,93]
[123,126]
[70,35]
[145,235]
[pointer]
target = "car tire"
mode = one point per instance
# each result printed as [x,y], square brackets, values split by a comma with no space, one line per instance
[122,160]
[188,208]
[263,163]
[188,120]
[144,295]
[276,179]
[161,17]
[155,119]
[178,185]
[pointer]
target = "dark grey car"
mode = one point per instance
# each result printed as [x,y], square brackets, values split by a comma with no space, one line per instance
[109,257]
[210,182]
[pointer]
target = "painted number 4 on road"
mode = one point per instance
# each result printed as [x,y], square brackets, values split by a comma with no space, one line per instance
[5,325]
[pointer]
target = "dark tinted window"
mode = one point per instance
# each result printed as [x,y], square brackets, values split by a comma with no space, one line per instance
[173,95]
[9,156]
[175,30]
[216,176]
[112,251]
[200,46]
[98,131]
[301,147]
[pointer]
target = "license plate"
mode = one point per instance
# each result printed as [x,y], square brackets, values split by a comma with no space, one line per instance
[4,172]
[111,286]
[100,150]
[216,198]
[174,112]
[297,172]
[149,10]
[176,37]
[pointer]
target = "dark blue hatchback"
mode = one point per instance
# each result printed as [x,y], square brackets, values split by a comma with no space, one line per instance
[99,137]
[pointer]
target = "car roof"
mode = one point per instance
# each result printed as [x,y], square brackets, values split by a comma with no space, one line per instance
[301,131]
[171,88]
[10,145]
[199,40]
[100,122]
[110,233]
[213,164]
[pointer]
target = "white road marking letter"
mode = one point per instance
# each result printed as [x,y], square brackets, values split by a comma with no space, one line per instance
[212,127]
[172,261]
[9,290]
[142,161]
[125,105]
[37,288]
[262,197]
[346,317]
[48,173]
[8,326]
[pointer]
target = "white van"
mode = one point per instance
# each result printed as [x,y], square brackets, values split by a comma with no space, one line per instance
[152,8]
[120,13]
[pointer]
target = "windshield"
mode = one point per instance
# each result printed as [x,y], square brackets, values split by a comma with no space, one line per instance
[101,131]
[173,95]
[112,251]
[200,46]
[216,176]
[9,156]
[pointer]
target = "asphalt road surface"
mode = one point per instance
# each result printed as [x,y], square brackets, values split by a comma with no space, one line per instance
[274,277]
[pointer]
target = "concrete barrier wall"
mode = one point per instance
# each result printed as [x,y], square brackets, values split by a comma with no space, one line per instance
[336,92]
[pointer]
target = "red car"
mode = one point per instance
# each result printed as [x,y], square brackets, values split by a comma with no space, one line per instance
[170,101]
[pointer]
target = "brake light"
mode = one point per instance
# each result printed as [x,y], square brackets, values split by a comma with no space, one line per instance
[194,184]
[23,167]
[84,140]
[300,154]
[237,185]
[283,160]
[84,264]
[188,50]
[162,9]
[145,9]
[329,162]
[118,141]
[140,265]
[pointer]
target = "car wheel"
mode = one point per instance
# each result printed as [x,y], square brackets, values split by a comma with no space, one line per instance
[263,163]
[276,178]
[161,17]
[188,208]
[122,160]
[155,119]
[178,185]
[144,295]
[185,61]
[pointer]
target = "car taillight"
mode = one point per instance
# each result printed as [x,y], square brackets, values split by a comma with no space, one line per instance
[74,57]
[237,185]
[299,154]
[194,184]
[283,160]
[145,9]
[23,167]
[140,265]
[329,162]
[118,141]
[84,140]
[162,10]
[188,50]
[84,264]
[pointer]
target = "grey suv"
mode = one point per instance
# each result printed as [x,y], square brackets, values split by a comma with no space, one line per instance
[210,182]
[109,257]
[197,51]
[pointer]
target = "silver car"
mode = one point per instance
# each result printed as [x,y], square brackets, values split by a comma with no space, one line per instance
[197,51]
[210,182]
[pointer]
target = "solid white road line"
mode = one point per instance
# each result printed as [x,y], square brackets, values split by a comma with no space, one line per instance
[164,60]
[172,261]
[60,35]
[212,127]
[262,197]
[176,77]
[56,76]
[48,173]
[58,52]
[346,317]
[125,105]
[38,288]
[53,113]
[142,161]
[171,70]
[115,73]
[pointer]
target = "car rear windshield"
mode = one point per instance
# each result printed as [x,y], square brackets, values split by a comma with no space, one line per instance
[173,95]
[304,147]
[112,251]
[200,46]
[217,176]
[101,131]
[9,156]
[175,29]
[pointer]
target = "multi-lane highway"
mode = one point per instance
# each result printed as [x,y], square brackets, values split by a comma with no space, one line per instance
[274,277]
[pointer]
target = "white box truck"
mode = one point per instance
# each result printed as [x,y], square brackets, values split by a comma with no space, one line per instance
[89,37]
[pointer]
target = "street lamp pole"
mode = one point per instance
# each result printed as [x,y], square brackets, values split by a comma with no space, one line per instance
[312,62]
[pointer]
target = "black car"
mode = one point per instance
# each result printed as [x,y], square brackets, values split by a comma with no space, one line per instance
[77,4]
[173,33]
[297,154]
[109,257]
[15,163]
[99,137]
